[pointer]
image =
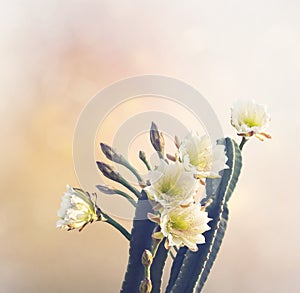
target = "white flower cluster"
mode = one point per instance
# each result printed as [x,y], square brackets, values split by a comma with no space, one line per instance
[174,186]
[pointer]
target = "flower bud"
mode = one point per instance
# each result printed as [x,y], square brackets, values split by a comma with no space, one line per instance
[147,258]
[146,286]
[157,139]
[108,171]
[177,142]
[111,154]
[171,157]
[142,155]
[106,189]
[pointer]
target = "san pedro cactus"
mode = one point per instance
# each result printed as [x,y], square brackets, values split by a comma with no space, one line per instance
[196,266]
[170,220]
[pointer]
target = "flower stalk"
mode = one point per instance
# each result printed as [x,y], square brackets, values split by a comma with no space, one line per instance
[111,190]
[147,260]
[243,142]
[106,218]
[142,156]
[172,255]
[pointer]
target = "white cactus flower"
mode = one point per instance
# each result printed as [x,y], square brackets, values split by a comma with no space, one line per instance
[77,210]
[250,118]
[202,158]
[172,185]
[183,226]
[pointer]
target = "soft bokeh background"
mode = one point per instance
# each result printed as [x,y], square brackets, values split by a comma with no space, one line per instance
[55,55]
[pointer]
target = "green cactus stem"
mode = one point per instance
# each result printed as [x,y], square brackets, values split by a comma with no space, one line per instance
[141,239]
[196,266]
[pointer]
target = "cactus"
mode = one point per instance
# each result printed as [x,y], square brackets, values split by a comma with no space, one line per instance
[195,267]
[176,267]
[158,267]
[141,239]
[166,213]
[190,269]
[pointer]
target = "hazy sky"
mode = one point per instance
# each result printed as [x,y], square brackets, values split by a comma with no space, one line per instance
[56,55]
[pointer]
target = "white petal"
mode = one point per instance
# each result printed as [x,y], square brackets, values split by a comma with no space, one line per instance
[249,117]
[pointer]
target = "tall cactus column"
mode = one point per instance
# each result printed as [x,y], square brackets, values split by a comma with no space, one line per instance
[141,239]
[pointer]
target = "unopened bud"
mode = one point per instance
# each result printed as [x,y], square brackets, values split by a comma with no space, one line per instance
[146,286]
[157,139]
[108,171]
[142,156]
[147,258]
[177,142]
[171,157]
[106,189]
[111,154]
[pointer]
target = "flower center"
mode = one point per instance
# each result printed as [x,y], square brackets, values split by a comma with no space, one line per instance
[251,122]
[178,223]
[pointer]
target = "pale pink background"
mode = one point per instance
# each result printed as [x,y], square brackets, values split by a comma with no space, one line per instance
[55,55]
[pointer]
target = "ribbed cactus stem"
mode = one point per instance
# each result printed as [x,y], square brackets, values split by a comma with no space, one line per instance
[191,269]
[141,239]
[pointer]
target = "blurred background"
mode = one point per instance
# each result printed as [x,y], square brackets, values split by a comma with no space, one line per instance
[56,55]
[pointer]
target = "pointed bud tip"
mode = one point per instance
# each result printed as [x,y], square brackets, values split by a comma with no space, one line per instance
[147,258]
[108,171]
[105,189]
[103,147]
[177,142]
[153,126]
[103,165]
[109,152]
